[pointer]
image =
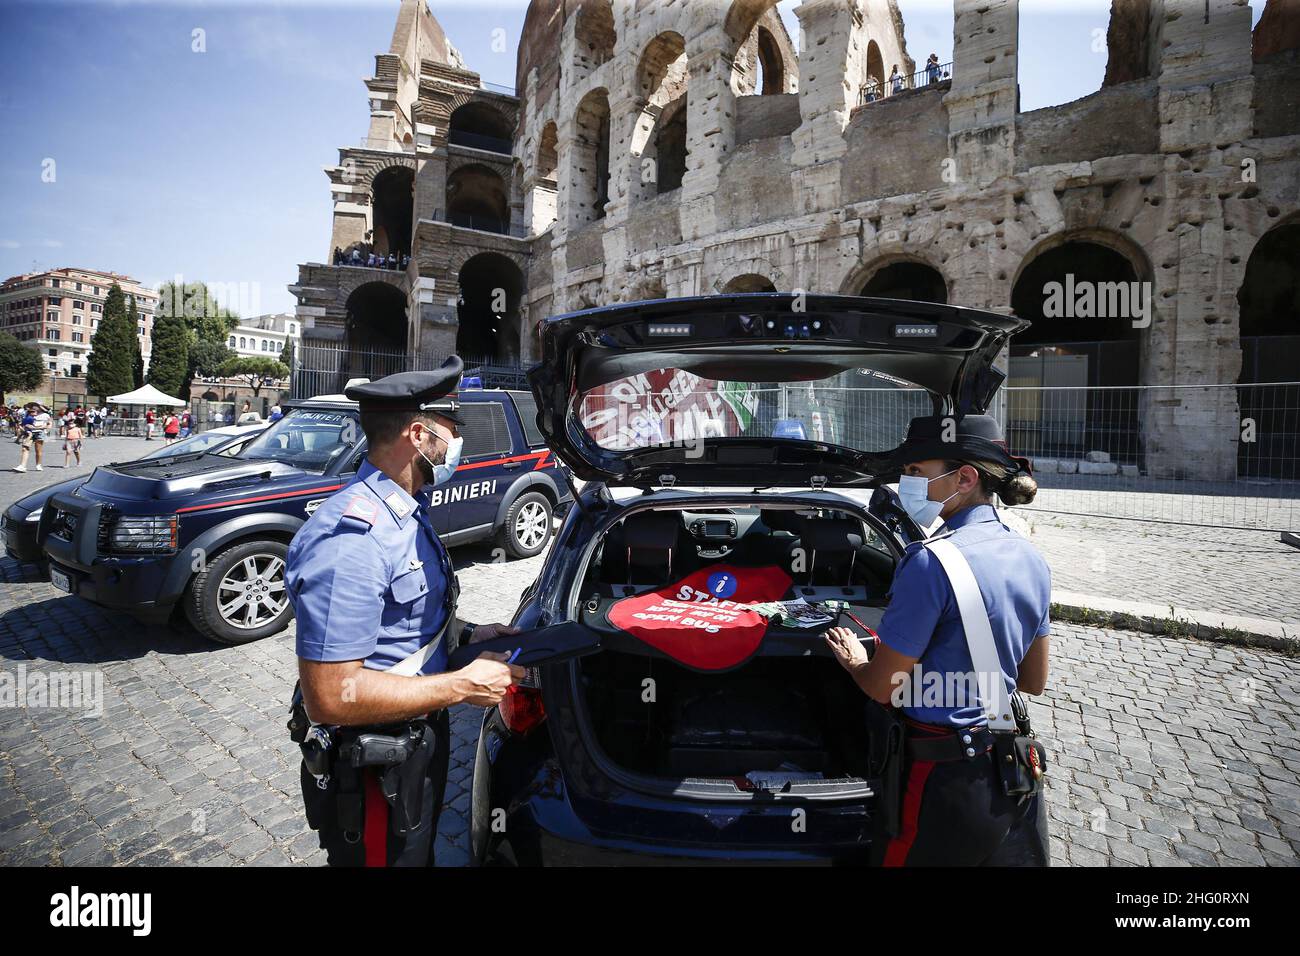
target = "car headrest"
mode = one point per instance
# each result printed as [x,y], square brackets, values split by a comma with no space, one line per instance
[782,519]
[832,534]
[651,530]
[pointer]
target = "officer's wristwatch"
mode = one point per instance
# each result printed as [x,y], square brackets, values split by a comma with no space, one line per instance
[466,634]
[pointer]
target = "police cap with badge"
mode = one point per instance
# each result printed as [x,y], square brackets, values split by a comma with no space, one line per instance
[428,391]
[968,438]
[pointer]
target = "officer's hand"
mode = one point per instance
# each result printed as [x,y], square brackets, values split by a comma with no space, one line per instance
[846,647]
[485,680]
[485,632]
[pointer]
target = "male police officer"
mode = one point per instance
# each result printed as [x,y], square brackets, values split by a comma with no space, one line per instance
[374,593]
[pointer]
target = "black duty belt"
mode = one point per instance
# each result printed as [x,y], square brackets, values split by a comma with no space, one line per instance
[966,744]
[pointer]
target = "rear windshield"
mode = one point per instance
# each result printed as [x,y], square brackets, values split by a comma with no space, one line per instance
[306,438]
[860,408]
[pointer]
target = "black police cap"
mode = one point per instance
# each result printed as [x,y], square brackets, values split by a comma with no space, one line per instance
[430,391]
[968,438]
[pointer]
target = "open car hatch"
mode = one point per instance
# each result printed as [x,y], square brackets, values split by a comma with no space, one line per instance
[770,389]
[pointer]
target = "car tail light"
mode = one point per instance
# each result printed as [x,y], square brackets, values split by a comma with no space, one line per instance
[521,708]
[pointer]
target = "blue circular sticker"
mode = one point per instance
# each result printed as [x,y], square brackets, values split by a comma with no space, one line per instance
[722,584]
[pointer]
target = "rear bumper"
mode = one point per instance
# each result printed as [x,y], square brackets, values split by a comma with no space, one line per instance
[525,812]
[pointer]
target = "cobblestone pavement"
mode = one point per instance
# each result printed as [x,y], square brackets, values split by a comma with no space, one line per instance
[1164,751]
[1246,573]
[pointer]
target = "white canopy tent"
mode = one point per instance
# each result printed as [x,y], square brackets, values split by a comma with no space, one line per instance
[146,395]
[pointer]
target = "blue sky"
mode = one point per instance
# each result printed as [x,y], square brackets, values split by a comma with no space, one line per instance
[168,161]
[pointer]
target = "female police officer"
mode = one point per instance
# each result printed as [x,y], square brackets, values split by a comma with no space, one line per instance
[954,806]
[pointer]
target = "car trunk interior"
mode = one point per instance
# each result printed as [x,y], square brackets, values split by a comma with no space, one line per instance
[796,716]
[788,713]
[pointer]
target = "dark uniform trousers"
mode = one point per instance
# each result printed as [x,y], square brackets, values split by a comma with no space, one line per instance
[955,814]
[374,843]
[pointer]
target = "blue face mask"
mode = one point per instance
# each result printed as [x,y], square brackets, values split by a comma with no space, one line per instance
[441,474]
[914,493]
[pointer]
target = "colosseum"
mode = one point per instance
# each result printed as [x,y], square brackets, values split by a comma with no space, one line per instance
[660,148]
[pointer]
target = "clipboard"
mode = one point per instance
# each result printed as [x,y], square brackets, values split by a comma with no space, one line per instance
[547,645]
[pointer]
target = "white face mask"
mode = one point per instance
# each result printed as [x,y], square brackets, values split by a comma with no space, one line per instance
[442,473]
[914,493]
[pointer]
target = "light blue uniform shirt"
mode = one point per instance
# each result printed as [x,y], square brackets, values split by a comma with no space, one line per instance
[923,621]
[368,577]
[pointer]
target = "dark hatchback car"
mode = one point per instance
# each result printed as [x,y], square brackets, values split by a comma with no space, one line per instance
[734,447]
[206,535]
[21,519]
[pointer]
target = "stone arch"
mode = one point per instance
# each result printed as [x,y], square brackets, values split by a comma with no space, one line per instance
[375,328]
[771,64]
[594,30]
[874,80]
[659,134]
[743,16]
[488,308]
[589,159]
[373,169]
[901,277]
[480,125]
[392,205]
[765,61]
[1082,291]
[1269,300]
[547,155]
[749,282]
[540,201]
[478,198]
[749,276]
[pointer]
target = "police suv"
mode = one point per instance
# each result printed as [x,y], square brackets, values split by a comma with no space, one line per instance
[207,534]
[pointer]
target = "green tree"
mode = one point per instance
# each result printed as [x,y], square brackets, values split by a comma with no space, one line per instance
[206,358]
[255,370]
[286,354]
[21,366]
[109,369]
[208,322]
[137,356]
[170,360]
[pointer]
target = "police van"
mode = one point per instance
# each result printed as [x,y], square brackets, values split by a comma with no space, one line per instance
[206,535]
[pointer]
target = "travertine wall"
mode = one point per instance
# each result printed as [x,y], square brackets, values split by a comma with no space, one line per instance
[1181,163]
[1151,165]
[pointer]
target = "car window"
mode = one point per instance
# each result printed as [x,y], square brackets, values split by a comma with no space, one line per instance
[862,408]
[306,438]
[485,431]
[527,407]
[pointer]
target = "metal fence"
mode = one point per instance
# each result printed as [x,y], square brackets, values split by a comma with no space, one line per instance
[874,90]
[481,223]
[1203,455]
[490,144]
[324,368]
[1207,455]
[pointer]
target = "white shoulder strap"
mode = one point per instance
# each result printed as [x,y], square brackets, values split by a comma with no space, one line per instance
[979,633]
[411,665]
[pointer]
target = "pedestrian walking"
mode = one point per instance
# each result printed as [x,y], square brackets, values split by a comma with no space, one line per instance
[36,423]
[150,417]
[72,444]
